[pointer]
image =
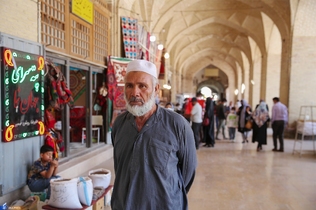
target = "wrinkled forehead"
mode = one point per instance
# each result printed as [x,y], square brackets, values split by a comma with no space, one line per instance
[138,77]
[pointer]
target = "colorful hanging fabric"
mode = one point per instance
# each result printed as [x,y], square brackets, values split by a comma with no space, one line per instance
[111,81]
[115,79]
[130,37]
[57,89]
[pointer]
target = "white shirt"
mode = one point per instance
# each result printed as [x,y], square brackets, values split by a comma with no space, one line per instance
[232,120]
[196,113]
[279,112]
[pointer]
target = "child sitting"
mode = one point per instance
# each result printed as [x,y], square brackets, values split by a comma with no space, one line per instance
[42,171]
[232,123]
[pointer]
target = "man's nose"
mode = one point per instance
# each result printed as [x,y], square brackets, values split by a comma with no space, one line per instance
[135,91]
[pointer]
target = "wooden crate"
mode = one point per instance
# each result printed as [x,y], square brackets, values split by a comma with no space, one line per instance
[99,205]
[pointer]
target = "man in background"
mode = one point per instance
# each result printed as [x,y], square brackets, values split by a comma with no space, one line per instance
[221,114]
[279,120]
[196,116]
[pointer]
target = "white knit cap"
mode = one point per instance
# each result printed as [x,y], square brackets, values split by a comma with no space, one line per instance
[142,65]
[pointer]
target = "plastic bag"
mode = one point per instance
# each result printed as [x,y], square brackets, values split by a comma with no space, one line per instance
[64,194]
[100,177]
[85,190]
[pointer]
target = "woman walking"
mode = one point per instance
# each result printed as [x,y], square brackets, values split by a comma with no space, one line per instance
[209,129]
[261,118]
[244,113]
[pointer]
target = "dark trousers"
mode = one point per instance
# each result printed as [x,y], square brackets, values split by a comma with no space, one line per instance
[231,132]
[221,125]
[39,185]
[278,130]
[196,127]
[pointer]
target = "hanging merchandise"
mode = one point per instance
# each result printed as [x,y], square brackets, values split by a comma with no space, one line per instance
[58,93]
[130,37]
[116,72]
[54,139]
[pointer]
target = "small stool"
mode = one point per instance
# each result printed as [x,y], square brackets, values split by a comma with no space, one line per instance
[93,129]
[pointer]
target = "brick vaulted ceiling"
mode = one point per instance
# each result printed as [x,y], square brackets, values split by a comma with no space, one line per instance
[200,33]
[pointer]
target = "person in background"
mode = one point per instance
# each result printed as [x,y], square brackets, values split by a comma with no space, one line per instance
[196,117]
[228,108]
[259,128]
[42,171]
[279,120]
[153,149]
[232,123]
[215,114]
[261,100]
[220,114]
[244,114]
[178,108]
[209,129]
[184,108]
[157,100]
[238,104]
[169,106]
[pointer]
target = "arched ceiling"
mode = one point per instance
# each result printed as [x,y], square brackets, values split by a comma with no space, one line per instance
[199,33]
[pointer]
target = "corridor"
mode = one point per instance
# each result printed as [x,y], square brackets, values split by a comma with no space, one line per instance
[234,176]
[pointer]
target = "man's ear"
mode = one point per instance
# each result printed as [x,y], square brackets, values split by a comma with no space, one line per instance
[157,88]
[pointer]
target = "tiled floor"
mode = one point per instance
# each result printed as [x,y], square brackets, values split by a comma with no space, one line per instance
[234,176]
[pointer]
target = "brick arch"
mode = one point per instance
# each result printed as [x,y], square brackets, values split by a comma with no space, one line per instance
[212,84]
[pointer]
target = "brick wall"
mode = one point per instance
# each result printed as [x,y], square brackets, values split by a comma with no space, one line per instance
[19,18]
[303,75]
[273,79]
[303,64]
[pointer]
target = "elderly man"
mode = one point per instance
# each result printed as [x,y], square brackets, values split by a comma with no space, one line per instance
[154,151]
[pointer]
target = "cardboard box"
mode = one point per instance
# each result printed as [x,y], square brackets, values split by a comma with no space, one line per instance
[99,205]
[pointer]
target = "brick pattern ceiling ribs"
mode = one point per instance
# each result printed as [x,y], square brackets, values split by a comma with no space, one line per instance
[197,32]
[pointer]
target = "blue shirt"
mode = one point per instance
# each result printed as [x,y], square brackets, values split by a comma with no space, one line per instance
[279,112]
[36,169]
[155,167]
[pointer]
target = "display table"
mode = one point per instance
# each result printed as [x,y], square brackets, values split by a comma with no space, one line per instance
[94,202]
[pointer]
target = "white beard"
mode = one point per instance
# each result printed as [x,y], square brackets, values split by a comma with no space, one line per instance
[140,110]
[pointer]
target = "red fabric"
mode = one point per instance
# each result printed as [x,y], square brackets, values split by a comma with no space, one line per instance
[51,140]
[111,81]
[77,122]
[162,66]
[49,119]
[189,106]
[119,101]
[147,46]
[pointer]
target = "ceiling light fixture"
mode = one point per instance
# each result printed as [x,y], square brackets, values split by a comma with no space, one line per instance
[167,86]
[167,55]
[152,38]
[243,87]
[160,46]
